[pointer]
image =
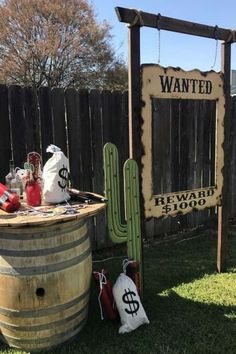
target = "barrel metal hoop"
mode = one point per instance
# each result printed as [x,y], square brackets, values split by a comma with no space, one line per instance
[39,232]
[45,269]
[54,339]
[45,326]
[43,251]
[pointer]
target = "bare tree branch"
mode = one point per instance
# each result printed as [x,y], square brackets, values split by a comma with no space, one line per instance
[56,43]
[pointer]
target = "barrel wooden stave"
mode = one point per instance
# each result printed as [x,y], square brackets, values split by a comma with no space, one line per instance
[44,284]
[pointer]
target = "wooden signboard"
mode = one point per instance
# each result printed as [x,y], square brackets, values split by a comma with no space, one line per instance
[174,83]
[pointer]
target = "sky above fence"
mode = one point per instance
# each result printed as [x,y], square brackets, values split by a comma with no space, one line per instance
[173,49]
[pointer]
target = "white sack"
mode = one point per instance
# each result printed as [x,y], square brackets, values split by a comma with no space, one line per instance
[55,177]
[128,303]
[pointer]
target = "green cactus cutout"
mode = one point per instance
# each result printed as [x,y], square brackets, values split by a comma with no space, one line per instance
[129,232]
[117,230]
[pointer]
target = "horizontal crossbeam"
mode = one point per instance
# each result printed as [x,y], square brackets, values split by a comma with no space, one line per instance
[140,18]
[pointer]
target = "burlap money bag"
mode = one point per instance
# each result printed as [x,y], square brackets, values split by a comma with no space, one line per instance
[132,314]
[55,177]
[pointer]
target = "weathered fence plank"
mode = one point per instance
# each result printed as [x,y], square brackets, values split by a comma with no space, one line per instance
[32,123]
[59,121]
[5,135]
[175,142]
[86,178]
[45,108]
[18,126]
[97,164]
[184,119]
[79,145]
[115,128]
[74,136]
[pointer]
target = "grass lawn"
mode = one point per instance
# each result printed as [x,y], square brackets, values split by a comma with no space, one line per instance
[191,308]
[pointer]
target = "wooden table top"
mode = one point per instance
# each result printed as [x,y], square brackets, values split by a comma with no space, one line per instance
[48,215]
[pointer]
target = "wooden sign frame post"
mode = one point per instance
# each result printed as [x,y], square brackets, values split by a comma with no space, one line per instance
[137,19]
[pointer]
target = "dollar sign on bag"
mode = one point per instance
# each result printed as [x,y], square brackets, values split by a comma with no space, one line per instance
[128,298]
[63,173]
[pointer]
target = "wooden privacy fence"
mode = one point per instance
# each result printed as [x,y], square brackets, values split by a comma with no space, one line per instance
[80,122]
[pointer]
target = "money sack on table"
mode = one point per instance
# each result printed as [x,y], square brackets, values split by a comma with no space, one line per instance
[55,177]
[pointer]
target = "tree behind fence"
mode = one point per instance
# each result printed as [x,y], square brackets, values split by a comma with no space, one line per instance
[80,122]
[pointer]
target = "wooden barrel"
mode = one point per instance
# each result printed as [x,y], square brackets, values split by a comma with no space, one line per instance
[45,274]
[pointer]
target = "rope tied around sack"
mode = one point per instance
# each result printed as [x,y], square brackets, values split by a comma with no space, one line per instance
[125,264]
[102,281]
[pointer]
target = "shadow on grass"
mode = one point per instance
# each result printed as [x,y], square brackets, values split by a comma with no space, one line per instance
[180,325]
